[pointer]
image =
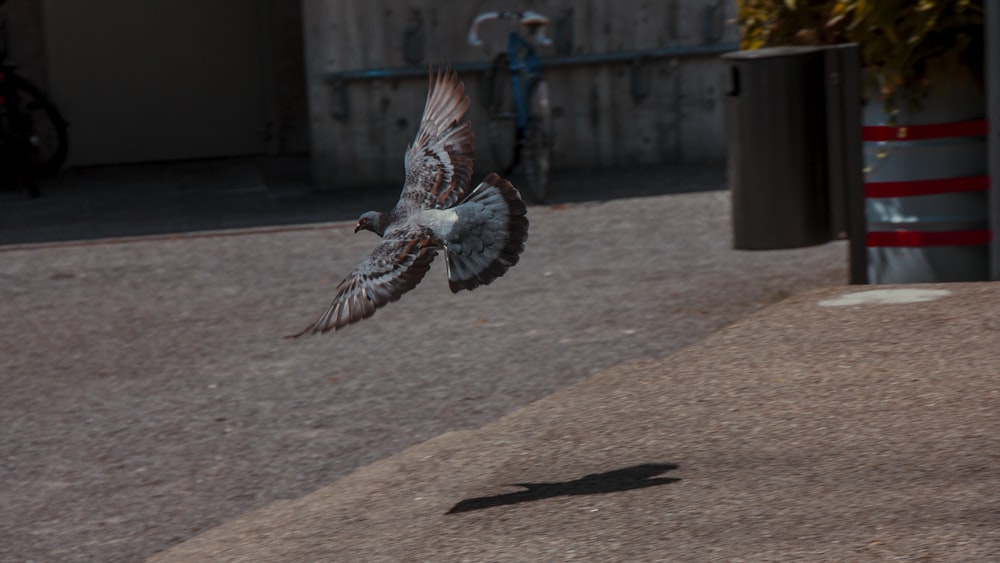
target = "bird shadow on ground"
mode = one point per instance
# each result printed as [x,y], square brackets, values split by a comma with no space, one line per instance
[635,477]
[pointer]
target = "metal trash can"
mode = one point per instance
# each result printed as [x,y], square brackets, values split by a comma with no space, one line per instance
[777,135]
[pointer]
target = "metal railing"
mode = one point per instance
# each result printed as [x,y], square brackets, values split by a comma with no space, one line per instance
[339,79]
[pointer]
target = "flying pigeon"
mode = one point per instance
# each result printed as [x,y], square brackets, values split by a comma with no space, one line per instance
[482,232]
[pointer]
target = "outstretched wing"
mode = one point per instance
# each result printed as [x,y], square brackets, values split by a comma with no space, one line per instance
[439,162]
[396,266]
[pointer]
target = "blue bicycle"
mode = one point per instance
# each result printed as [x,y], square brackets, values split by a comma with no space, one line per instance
[520,127]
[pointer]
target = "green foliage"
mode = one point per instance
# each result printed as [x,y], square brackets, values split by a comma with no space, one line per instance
[905,44]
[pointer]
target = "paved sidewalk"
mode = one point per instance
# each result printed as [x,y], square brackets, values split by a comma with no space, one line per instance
[148,394]
[833,426]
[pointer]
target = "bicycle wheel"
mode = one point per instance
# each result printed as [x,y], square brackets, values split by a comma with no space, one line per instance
[503,137]
[537,150]
[44,128]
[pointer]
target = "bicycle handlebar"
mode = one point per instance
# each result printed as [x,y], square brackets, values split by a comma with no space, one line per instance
[533,21]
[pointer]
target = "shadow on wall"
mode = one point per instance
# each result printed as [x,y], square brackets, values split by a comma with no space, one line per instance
[635,477]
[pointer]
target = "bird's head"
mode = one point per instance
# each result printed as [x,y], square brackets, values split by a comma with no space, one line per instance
[373,221]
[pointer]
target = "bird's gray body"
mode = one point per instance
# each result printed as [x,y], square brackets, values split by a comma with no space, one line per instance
[482,232]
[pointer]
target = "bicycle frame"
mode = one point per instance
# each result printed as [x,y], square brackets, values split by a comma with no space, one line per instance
[24,153]
[527,91]
[532,67]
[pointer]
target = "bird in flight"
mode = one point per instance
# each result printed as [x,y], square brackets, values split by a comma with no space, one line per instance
[482,232]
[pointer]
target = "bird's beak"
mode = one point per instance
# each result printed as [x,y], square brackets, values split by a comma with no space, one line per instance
[357,227]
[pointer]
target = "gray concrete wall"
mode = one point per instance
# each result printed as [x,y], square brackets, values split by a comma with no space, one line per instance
[598,121]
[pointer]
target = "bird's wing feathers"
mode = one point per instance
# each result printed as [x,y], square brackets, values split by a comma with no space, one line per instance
[396,266]
[439,162]
[438,171]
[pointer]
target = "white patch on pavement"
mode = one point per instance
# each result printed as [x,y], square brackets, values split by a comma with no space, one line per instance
[886,297]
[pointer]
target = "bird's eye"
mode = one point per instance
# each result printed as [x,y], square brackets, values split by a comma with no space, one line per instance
[363,221]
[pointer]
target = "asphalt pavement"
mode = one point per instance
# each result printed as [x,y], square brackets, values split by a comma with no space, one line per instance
[842,424]
[149,394]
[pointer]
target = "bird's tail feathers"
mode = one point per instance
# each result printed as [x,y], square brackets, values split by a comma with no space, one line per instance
[496,241]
